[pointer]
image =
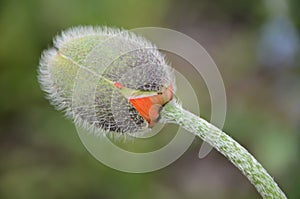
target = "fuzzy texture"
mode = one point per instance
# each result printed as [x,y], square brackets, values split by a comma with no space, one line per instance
[80,74]
[238,155]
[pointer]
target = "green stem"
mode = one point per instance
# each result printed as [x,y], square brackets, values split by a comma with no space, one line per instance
[238,155]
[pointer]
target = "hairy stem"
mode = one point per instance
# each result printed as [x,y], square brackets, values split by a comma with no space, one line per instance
[238,155]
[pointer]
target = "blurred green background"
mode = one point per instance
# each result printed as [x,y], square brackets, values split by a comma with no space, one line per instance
[255,45]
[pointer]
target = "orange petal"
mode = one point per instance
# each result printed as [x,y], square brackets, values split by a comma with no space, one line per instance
[142,105]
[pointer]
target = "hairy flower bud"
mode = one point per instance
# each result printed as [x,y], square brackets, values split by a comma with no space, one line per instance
[107,80]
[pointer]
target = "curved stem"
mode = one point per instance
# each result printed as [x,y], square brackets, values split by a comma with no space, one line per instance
[238,155]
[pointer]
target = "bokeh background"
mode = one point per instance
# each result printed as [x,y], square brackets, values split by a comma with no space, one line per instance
[256,47]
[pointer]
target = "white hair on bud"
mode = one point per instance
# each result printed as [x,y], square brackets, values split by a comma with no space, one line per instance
[53,91]
[46,82]
[83,31]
